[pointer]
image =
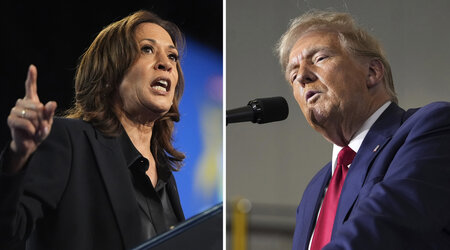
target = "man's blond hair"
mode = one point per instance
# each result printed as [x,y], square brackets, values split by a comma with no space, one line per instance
[352,37]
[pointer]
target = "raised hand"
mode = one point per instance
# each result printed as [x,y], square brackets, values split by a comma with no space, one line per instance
[30,123]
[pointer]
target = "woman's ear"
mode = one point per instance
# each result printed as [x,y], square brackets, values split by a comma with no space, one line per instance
[376,73]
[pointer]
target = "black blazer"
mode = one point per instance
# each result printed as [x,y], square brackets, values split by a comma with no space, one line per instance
[75,193]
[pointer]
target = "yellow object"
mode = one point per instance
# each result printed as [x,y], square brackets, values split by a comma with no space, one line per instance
[239,225]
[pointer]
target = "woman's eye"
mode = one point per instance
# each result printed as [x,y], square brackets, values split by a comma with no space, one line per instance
[173,57]
[147,49]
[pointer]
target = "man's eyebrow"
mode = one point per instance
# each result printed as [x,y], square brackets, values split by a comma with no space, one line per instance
[315,50]
[154,41]
[308,53]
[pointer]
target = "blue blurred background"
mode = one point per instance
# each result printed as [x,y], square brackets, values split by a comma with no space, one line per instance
[199,132]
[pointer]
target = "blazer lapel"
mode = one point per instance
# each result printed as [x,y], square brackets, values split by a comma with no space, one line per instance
[119,187]
[310,205]
[374,142]
[175,198]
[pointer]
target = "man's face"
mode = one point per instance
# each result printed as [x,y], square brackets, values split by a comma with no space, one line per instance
[329,84]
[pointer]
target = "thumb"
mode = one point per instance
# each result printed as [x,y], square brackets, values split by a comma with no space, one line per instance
[46,124]
[49,110]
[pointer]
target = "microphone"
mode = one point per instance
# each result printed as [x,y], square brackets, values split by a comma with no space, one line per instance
[261,110]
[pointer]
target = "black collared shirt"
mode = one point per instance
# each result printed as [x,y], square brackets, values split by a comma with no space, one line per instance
[156,211]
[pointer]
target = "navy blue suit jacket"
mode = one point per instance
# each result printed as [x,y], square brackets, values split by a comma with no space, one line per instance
[397,192]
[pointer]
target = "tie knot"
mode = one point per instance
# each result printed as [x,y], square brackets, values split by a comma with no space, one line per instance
[345,156]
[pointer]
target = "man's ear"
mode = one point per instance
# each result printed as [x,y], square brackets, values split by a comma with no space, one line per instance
[376,73]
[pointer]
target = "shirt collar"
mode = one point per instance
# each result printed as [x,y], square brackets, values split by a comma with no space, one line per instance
[130,152]
[131,155]
[358,138]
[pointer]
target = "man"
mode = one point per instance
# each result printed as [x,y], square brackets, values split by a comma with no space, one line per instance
[389,186]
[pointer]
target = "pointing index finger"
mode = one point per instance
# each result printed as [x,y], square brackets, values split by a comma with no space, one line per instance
[31,84]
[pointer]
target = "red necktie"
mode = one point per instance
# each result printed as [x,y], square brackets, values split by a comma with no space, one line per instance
[324,225]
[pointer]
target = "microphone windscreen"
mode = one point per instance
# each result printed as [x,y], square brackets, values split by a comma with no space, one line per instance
[273,109]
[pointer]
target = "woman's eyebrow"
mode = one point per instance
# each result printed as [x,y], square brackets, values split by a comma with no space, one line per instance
[154,41]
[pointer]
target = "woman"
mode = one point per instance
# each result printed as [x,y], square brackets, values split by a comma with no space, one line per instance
[101,177]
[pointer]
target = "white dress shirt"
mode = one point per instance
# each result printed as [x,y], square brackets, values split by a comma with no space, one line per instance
[358,138]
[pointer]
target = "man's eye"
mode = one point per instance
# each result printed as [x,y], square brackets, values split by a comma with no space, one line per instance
[293,77]
[147,49]
[321,58]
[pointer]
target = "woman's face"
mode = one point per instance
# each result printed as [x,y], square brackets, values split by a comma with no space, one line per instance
[148,87]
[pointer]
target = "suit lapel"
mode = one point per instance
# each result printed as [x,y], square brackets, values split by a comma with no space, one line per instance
[357,173]
[310,206]
[377,137]
[119,187]
[175,198]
